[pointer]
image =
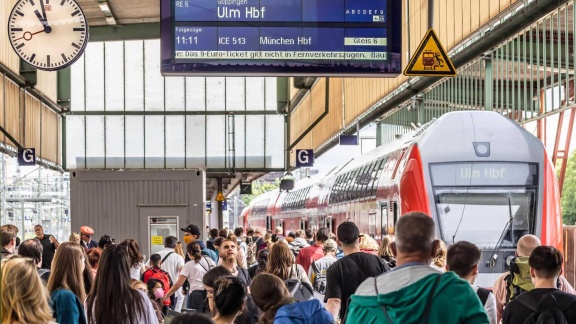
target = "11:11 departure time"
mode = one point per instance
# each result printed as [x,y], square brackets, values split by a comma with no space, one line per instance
[193,40]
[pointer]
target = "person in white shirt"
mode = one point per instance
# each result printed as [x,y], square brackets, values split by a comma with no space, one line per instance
[193,271]
[172,263]
[462,258]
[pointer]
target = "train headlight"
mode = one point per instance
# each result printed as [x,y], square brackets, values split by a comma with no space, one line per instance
[482,149]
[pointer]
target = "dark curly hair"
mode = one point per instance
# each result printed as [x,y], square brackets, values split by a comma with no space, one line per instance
[133,251]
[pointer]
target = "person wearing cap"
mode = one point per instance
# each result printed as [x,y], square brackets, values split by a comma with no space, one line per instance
[346,274]
[192,234]
[317,271]
[86,233]
[49,244]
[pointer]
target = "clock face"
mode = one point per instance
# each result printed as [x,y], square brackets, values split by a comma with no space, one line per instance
[48,34]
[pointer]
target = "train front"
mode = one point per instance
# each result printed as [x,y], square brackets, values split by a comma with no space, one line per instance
[489,183]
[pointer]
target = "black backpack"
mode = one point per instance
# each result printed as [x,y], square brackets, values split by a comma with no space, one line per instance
[301,291]
[545,311]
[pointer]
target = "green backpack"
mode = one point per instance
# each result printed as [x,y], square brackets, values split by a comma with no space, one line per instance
[519,280]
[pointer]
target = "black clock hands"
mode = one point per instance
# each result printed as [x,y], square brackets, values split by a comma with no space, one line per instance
[44,12]
[47,29]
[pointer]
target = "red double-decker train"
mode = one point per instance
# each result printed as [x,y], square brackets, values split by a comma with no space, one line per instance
[479,175]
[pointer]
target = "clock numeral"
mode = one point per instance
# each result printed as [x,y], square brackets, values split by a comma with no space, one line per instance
[16,29]
[48,60]
[20,13]
[79,29]
[32,2]
[62,3]
[20,46]
[76,45]
[64,57]
[47,1]
[75,13]
[32,57]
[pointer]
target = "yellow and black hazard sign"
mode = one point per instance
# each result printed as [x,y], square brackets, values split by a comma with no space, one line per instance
[220,196]
[430,59]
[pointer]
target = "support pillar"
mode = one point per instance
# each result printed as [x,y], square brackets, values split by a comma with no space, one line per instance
[488,84]
[219,204]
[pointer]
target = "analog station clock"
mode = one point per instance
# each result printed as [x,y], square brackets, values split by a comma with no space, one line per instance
[48,34]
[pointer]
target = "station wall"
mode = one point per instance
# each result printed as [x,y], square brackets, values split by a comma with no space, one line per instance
[119,203]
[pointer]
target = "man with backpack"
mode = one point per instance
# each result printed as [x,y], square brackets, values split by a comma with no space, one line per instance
[545,303]
[415,292]
[346,274]
[518,280]
[156,273]
[463,258]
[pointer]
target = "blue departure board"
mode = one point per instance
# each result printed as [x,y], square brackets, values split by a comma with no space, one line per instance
[281,37]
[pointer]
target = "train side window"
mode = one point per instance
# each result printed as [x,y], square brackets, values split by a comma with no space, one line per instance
[370,176]
[268,222]
[377,175]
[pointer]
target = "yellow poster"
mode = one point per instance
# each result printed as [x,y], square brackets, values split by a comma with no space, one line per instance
[157,240]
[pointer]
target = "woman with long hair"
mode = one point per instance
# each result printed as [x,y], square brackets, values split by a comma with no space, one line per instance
[281,264]
[66,283]
[385,251]
[229,299]
[270,293]
[179,250]
[136,258]
[112,300]
[23,303]
[193,271]
[209,282]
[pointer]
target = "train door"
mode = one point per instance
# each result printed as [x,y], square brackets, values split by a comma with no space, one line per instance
[268,222]
[388,216]
[372,224]
[383,219]
[330,223]
[303,224]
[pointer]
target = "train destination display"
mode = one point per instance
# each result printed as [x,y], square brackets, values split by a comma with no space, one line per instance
[281,37]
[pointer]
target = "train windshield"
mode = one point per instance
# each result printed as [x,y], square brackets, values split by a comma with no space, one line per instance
[475,202]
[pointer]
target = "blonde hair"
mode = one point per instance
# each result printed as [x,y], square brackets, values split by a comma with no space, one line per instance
[368,243]
[74,237]
[178,249]
[440,259]
[385,249]
[66,272]
[24,297]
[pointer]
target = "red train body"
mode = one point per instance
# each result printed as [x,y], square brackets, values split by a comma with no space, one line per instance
[479,175]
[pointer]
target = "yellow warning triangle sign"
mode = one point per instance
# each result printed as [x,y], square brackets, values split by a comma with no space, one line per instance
[220,196]
[430,59]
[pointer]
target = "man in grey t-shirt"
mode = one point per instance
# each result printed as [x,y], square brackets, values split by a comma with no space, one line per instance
[317,270]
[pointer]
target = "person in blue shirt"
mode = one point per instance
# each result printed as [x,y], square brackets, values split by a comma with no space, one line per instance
[66,284]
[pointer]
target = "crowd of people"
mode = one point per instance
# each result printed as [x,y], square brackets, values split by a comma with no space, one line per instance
[247,276]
